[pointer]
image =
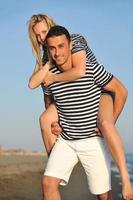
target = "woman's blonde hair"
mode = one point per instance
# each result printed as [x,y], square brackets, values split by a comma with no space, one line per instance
[36,48]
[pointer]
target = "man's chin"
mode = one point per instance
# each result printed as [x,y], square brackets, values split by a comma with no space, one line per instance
[59,63]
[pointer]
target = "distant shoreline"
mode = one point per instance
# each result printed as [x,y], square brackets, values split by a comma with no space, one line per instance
[19,151]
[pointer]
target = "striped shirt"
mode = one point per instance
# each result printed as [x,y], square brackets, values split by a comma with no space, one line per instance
[77,101]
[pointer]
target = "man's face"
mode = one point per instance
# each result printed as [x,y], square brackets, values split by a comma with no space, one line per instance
[59,49]
[41,29]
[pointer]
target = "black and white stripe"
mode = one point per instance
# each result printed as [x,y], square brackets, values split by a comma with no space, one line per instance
[77,101]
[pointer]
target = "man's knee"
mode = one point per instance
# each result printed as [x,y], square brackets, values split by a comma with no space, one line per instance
[50,184]
[105,196]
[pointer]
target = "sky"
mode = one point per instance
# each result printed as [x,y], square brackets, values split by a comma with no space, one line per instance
[108,28]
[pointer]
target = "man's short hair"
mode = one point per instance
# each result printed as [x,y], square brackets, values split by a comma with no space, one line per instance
[57,31]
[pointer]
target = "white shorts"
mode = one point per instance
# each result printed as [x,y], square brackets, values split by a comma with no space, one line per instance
[93,155]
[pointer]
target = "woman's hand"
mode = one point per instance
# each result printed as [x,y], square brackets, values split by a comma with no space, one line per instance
[47,65]
[50,78]
[38,77]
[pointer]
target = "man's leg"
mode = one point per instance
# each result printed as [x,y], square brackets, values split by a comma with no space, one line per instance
[95,159]
[50,187]
[60,164]
[105,196]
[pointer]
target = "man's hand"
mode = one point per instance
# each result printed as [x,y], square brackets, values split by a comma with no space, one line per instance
[49,79]
[56,129]
[98,132]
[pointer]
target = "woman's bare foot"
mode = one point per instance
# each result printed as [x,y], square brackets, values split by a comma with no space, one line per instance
[127,190]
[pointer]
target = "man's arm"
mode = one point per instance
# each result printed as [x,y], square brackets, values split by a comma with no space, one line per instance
[120,93]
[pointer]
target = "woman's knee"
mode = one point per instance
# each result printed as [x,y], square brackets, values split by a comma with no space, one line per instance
[43,118]
[103,124]
[49,116]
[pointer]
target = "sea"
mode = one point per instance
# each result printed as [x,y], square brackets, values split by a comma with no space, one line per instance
[129,161]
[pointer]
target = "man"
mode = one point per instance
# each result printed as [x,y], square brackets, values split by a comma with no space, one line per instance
[77,104]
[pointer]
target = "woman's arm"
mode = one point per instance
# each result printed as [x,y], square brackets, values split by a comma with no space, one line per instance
[77,71]
[38,77]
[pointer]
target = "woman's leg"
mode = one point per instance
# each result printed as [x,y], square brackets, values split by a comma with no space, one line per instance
[114,143]
[46,119]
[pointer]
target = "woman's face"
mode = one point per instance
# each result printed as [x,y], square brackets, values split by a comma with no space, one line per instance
[41,29]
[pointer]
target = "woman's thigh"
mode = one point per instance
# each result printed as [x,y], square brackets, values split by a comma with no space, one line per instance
[50,114]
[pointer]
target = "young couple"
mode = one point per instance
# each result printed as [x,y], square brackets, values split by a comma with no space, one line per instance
[86,101]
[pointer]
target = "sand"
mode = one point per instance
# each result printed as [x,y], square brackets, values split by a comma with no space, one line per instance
[20,179]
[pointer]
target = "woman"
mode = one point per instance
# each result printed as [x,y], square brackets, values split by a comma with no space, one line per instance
[39,26]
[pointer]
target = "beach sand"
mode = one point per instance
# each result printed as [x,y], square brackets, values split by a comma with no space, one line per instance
[20,179]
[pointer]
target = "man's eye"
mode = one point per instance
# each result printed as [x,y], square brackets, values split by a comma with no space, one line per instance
[61,46]
[51,48]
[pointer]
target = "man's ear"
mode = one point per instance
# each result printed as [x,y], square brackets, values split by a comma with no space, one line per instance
[70,45]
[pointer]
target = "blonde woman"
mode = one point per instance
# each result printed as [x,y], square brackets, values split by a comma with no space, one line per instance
[39,26]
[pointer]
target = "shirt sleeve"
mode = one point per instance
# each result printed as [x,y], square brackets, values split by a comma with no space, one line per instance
[101,76]
[79,43]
